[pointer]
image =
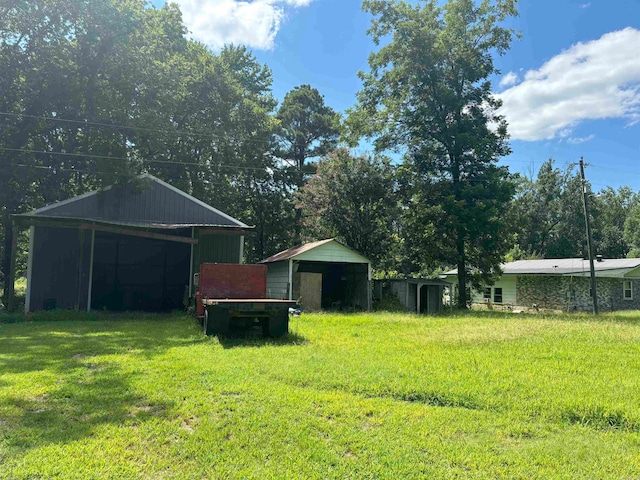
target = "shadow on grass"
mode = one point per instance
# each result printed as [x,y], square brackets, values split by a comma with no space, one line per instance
[76,389]
[253,340]
[75,409]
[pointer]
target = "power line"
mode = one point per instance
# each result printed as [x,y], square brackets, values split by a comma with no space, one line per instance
[104,157]
[128,127]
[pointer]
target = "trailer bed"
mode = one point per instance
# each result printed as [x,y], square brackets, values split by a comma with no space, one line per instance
[223,315]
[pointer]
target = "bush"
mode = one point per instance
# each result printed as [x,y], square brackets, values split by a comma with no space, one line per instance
[389,303]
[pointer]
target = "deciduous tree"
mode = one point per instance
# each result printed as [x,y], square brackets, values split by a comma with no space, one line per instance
[353,199]
[428,93]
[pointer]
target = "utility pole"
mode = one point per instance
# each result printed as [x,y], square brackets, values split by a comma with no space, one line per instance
[594,293]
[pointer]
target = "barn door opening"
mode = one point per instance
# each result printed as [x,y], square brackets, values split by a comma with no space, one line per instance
[134,273]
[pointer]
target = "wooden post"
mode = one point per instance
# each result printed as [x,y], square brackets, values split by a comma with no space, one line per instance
[594,292]
[10,293]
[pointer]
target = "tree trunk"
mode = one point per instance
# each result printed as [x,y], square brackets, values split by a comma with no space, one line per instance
[462,273]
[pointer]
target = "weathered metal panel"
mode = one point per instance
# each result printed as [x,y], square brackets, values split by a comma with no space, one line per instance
[148,202]
[60,268]
[278,280]
[219,280]
[213,248]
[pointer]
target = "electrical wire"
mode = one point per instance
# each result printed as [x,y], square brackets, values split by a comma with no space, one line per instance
[104,157]
[128,127]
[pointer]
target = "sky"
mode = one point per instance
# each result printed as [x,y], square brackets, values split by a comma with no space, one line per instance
[570,85]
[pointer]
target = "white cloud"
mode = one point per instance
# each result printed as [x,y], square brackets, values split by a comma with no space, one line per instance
[252,23]
[579,140]
[599,79]
[509,80]
[585,5]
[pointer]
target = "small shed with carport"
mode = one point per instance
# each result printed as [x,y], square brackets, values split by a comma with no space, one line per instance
[127,247]
[322,275]
[419,295]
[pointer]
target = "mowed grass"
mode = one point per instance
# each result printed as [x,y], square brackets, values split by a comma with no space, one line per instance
[344,396]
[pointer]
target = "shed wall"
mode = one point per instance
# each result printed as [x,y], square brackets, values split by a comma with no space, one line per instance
[216,248]
[278,280]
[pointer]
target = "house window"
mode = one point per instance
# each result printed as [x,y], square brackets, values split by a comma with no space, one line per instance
[497,295]
[487,294]
[627,290]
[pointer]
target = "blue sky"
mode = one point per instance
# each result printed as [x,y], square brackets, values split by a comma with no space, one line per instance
[570,85]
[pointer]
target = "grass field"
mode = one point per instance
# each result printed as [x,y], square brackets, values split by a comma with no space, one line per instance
[358,396]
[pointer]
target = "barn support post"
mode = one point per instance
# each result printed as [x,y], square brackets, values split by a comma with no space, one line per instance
[10,293]
[193,233]
[290,279]
[81,234]
[418,306]
[27,299]
[369,287]
[241,259]
[90,287]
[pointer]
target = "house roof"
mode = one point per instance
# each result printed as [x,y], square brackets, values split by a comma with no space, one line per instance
[419,281]
[153,204]
[323,252]
[564,266]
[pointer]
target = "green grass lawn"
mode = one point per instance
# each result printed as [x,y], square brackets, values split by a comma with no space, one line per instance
[345,396]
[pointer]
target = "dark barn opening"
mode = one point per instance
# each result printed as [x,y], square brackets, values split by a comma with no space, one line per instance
[133,273]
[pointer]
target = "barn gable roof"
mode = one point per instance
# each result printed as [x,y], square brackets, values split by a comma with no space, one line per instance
[324,250]
[156,203]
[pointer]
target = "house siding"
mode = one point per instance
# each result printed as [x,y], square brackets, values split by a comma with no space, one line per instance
[508,285]
[572,293]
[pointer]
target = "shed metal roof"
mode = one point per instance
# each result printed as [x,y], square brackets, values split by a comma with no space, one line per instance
[301,250]
[564,266]
[157,204]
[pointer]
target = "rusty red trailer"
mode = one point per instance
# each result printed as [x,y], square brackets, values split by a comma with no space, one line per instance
[232,297]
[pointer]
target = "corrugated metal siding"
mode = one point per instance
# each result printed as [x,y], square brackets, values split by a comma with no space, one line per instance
[54,275]
[278,280]
[213,248]
[154,203]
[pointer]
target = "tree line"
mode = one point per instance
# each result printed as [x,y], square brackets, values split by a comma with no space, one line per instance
[95,92]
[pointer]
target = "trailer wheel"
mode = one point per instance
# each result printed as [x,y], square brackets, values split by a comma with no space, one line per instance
[205,322]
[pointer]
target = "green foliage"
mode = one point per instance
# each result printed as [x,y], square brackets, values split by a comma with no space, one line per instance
[369,395]
[428,93]
[353,199]
[110,88]
[551,216]
[632,231]
[308,129]
[389,303]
